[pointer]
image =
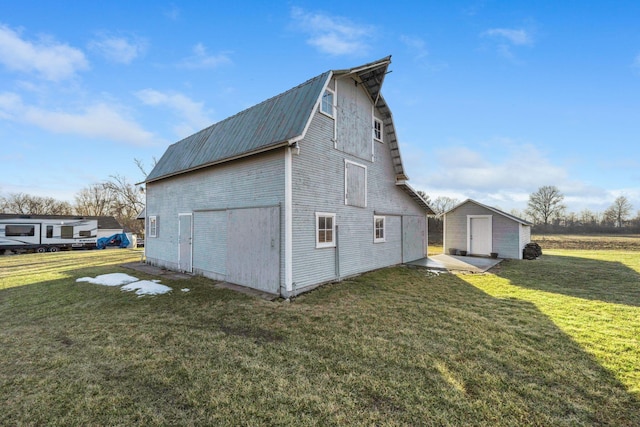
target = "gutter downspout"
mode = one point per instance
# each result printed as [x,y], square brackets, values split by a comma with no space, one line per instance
[288,222]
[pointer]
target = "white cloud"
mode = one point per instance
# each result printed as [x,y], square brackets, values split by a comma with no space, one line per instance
[99,120]
[49,59]
[507,39]
[523,167]
[515,37]
[416,44]
[118,49]
[202,59]
[334,35]
[192,113]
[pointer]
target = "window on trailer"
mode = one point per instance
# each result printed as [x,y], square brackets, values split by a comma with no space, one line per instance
[21,230]
[66,231]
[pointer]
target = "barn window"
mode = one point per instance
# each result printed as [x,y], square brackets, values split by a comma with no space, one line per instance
[153,226]
[325,230]
[355,184]
[377,129]
[327,105]
[378,229]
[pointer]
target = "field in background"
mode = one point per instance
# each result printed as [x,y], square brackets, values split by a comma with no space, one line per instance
[588,242]
[553,341]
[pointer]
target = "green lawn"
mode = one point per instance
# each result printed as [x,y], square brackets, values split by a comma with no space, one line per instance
[548,342]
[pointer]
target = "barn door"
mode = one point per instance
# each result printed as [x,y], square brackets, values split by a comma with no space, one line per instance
[413,238]
[480,235]
[253,248]
[185,238]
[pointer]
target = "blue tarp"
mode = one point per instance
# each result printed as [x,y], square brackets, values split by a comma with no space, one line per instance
[120,240]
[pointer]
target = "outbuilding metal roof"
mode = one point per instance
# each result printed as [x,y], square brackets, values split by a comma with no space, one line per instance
[491,208]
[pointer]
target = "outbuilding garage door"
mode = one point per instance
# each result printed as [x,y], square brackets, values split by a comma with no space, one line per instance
[253,248]
[413,238]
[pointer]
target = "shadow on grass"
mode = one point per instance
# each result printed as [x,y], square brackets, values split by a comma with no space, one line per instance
[394,347]
[587,278]
[477,359]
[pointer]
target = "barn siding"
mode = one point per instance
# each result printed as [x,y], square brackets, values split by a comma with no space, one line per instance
[210,231]
[506,236]
[249,182]
[318,183]
[355,127]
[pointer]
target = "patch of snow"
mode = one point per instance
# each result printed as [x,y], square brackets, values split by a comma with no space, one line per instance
[185,289]
[146,287]
[113,279]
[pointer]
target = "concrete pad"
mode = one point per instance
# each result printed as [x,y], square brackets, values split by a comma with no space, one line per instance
[155,271]
[457,263]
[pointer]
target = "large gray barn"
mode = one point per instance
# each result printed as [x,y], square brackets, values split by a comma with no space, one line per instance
[480,230]
[304,188]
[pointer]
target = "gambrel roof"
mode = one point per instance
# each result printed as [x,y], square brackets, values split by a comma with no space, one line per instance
[278,122]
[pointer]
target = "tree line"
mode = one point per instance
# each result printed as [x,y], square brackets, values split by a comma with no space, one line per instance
[115,197]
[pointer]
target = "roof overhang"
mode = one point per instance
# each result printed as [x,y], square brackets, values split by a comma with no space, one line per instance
[370,76]
[415,196]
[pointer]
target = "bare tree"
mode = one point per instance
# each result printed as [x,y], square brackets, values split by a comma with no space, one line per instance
[95,200]
[115,197]
[127,202]
[620,211]
[140,164]
[425,196]
[546,204]
[442,204]
[25,204]
[586,217]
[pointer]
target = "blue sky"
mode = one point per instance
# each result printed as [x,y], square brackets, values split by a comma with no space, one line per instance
[491,100]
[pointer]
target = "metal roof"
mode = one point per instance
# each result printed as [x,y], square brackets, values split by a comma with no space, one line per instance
[498,211]
[278,122]
[267,125]
[415,196]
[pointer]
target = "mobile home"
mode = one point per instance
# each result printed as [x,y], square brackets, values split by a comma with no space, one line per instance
[42,233]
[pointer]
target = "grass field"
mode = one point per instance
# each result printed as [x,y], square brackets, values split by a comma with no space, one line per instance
[588,242]
[548,342]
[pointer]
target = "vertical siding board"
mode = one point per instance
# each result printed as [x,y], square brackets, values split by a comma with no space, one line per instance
[211,227]
[354,119]
[253,248]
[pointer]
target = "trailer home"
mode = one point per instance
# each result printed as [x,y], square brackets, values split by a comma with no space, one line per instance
[42,233]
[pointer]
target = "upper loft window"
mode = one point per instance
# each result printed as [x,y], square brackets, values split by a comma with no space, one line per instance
[327,105]
[377,129]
